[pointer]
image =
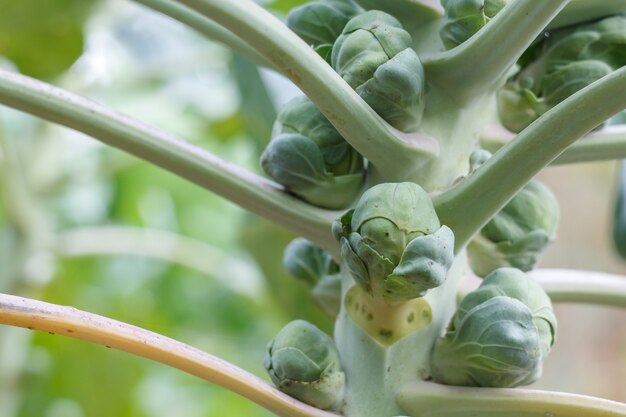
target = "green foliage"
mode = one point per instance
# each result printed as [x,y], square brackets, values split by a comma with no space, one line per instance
[519,234]
[310,158]
[393,244]
[43,38]
[304,363]
[499,336]
[374,56]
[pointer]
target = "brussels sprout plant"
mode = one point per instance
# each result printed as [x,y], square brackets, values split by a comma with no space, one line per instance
[406,166]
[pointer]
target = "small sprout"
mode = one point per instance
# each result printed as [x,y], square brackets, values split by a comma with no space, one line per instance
[310,158]
[303,362]
[319,23]
[312,265]
[519,234]
[466,17]
[394,246]
[499,336]
[562,64]
[477,158]
[375,58]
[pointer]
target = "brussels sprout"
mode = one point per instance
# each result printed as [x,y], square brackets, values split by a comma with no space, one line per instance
[311,264]
[310,158]
[518,234]
[374,56]
[319,23]
[303,362]
[499,336]
[394,246]
[477,158]
[466,17]
[562,64]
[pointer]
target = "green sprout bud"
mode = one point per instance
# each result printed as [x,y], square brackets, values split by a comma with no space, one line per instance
[499,336]
[319,23]
[518,234]
[303,362]
[375,58]
[560,65]
[310,158]
[466,17]
[477,158]
[312,265]
[495,345]
[394,246]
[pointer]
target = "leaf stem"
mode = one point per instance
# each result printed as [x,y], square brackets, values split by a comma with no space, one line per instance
[606,144]
[208,28]
[248,190]
[68,321]
[390,153]
[427,399]
[475,200]
[481,62]
[574,286]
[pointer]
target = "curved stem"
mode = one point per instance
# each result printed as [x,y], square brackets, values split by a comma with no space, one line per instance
[573,286]
[250,191]
[239,276]
[606,144]
[427,399]
[482,61]
[580,11]
[68,321]
[487,190]
[391,153]
[208,28]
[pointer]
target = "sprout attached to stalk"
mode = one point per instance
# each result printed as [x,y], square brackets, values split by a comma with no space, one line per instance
[519,234]
[375,58]
[466,17]
[319,23]
[310,158]
[499,336]
[393,244]
[304,363]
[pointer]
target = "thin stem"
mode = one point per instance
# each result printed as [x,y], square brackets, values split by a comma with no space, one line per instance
[482,61]
[574,286]
[391,153]
[607,144]
[427,399]
[474,201]
[208,28]
[250,191]
[68,321]
[580,11]
[233,272]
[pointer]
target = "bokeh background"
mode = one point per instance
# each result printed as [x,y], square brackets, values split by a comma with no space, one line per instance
[88,226]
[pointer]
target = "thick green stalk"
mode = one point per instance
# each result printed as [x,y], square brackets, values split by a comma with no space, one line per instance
[250,191]
[392,155]
[607,144]
[68,321]
[375,372]
[427,399]
[573,286]
[467,207]
[578,11]
[207,27]
[479,64]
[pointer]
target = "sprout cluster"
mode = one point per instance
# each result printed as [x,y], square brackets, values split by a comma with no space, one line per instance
[304,363]
[393,244]
[499,336]
[319,23]
[312,265]
[466,17]
[310,158]
[564,62]
[374,56]
[519,233]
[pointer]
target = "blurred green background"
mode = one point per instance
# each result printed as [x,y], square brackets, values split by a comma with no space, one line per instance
[88,226]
